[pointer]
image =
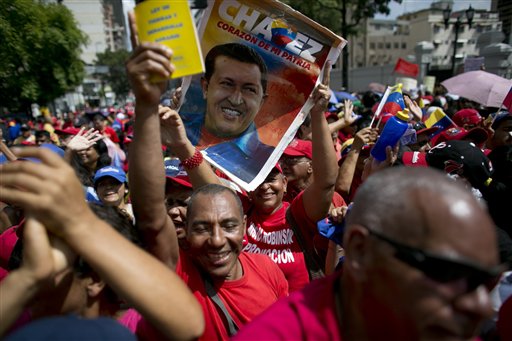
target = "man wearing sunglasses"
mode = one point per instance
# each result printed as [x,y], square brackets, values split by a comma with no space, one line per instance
[420,259]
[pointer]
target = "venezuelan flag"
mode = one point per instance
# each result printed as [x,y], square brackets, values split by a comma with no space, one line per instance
[507,102]
[438,119]
[395,101]
[282,34]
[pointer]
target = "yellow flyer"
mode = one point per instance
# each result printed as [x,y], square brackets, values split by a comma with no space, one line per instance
[170,23]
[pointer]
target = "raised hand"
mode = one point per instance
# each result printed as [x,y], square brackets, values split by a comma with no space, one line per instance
[348,109]
[365,136]
[84,140]
[48,191]
[172,129]
[321,93]
[414,108]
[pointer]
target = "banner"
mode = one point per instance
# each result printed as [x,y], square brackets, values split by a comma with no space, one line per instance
[263,60]
[406,68]
[473,63]
[429,82]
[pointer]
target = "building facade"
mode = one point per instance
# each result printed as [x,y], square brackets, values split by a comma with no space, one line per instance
[382,42]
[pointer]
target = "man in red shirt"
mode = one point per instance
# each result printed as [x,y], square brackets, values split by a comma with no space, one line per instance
[224,281]
[414,268]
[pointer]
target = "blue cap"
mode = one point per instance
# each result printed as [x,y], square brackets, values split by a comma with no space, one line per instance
[50,146]
[113,172]
[500,118]
[72,328]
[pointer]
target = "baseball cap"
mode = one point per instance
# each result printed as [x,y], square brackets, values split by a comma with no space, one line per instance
[500,118]
[71,327]
[460,157]
[67,131]
[299,147]
[463,158]
[477,135]
[467,116]
[111,171]
[175,172]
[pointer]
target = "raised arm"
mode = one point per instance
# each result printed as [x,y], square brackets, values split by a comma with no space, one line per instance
[347,169]
[174,136]
[50,192]
[318,195]
[147,173]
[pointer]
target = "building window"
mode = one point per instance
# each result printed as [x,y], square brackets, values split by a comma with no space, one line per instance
[388,45]
[404,46]
[380,45]
[437,29]
[372,46]
[396,45]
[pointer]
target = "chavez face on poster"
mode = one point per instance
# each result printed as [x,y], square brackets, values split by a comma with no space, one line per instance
[262,61]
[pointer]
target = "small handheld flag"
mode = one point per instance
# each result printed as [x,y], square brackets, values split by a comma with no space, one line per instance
[438,119]
[507,102]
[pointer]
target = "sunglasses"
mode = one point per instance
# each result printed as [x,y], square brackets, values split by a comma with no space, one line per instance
[292,161]
[441,269]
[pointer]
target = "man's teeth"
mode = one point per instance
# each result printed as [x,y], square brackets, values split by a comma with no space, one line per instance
[231,112]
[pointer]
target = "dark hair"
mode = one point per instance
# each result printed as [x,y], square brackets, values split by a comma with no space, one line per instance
[41,133]
[240,52]
[85,175]
[213,189]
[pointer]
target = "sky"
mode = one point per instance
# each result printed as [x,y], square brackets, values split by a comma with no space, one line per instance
[414,5]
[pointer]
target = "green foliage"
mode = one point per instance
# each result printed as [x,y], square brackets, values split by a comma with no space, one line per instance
[40,54]
[329,12]
[116,76]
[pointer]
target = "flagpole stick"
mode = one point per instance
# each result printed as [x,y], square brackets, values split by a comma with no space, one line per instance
[494,118]
[381,105]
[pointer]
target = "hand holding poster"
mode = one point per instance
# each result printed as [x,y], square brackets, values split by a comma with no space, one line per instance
[262,62]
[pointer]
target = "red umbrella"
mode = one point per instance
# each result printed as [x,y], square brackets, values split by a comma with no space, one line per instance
[479,86]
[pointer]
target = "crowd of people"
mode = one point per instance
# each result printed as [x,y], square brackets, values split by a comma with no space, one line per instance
[116,214]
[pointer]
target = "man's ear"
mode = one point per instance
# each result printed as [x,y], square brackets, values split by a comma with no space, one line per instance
[357,246]
[204,86]
[310,167]
[95,285]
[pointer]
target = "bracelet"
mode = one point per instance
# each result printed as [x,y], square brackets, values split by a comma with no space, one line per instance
[193,161]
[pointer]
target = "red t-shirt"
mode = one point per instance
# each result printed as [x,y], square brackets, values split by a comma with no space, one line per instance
[273,236]
[261,285]
[308,314]
[111,134]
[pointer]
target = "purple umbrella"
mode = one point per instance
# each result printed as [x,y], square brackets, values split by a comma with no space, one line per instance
[482,87]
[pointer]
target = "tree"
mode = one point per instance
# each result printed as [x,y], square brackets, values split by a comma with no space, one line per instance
[333,15]
[116,75]
[40,54]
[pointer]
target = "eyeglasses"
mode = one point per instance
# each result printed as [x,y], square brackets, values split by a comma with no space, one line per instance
[292,161]
[441,269]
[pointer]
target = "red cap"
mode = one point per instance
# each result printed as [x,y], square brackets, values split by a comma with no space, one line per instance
[299,148]
[67,131]
[476,135]
[414,159]
[467,116]
[329,114]
[278,167]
